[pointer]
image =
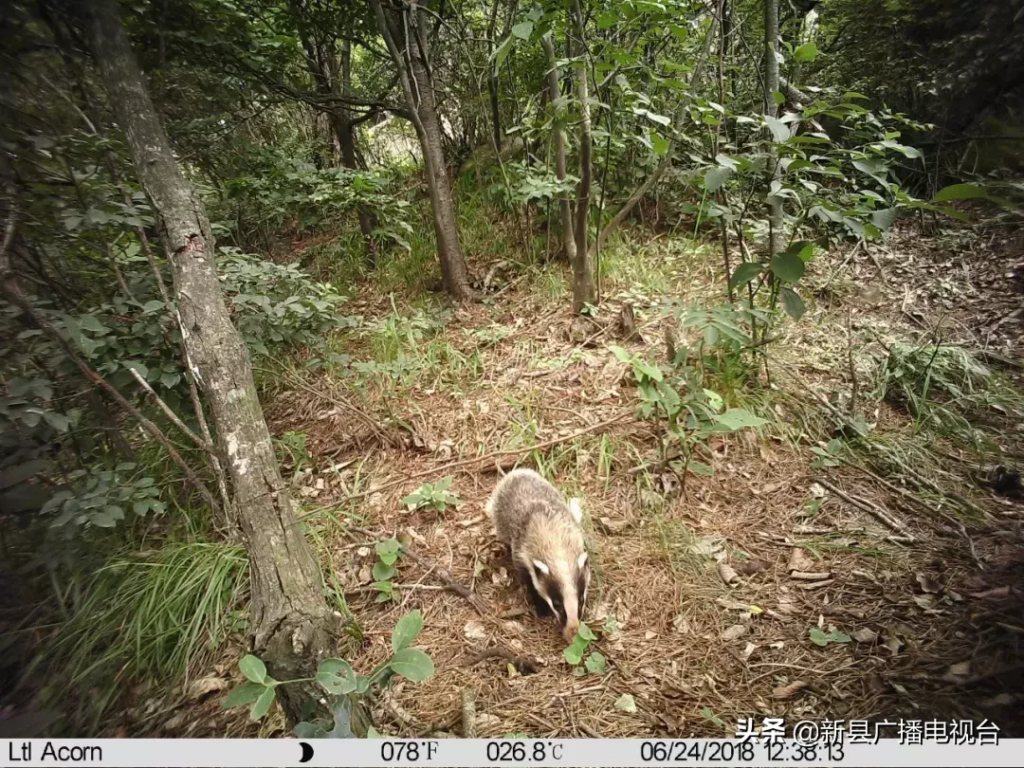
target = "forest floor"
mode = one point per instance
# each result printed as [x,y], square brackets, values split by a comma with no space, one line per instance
[920,615]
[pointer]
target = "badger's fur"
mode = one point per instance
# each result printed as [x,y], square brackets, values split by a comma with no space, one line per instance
[545,540]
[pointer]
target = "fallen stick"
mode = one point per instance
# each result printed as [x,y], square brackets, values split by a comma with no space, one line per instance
[466,463]
[449,583]
[468,699]
[867,506]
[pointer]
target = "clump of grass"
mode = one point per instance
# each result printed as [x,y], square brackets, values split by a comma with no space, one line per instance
[149,618]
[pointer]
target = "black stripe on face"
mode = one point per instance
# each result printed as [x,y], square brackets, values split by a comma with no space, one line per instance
[540,605]
[581,590]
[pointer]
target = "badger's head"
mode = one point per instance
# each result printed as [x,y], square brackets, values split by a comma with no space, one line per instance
[553,559]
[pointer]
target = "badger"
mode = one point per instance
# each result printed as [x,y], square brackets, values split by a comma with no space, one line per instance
[544,537]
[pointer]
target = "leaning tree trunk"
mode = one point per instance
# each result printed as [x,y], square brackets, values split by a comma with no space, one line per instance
[771,85]
[584,287]
[412,61]
[292,625]
[558,103]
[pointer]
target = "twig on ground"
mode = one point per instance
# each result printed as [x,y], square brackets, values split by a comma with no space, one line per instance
[467,462]
[468,699]
[370,590]
[449,583]
[378,430]
[867,506]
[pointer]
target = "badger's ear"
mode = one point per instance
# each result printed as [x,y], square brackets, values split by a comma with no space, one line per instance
[576,510]
[541,567]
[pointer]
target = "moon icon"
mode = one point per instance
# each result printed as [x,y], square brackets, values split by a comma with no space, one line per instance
[307,752]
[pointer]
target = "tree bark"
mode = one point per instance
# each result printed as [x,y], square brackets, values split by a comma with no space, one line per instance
[771,85]
[413,64]
[584,287]
[558,104]
[292,625]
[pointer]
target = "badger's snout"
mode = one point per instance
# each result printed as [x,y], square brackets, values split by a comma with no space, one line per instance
[569,630]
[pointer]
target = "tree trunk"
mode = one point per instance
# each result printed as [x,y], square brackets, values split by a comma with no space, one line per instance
[771,85]
[347,145]
[292,625]
[584,288]
[413,64]
[492,82]
[558,103]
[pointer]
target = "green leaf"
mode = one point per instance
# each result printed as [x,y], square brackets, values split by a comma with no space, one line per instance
[739,418]
[412,663]
[336,676]
[620,353]
[139,368]
[818,637]
[262,705]
[387,550]
[586,632]
[806,52]
[523,30]
[253,668]
[574,653]
[839,637]
[607,20]
[715,178]
[309,731]
[700,468]
[788,266]
[58,421]
[792,302]
[660,144]
[596,663]
[780,131]
[373,733]
[959,192]
[382,571]
[246,693]
[746,272]
[152,306]
[501,52]
[884,218]
[779,98]
[406,630]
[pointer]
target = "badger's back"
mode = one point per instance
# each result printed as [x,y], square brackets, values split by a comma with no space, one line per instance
[517,498]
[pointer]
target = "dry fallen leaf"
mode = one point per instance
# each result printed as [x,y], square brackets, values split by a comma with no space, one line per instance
[787,691]
[625,703]
[748,650]
[865,635]
[474,630]
[734,632]
[648,635]
[928,584]
[799,560]
[958,671]
[788,605]
[681,625]
[894,644]
[728,573]
[199,688]
[611,525]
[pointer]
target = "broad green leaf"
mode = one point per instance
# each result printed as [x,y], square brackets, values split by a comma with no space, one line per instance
[715,178]
[884,218]
[596,663]
[373,733]
[253,668]
[659,119]
[806,52]
[700,468]
[788,266]
[309,731]
[523,30]
[501,52]
[818,637]
[387,550]
[91,323]
[958,192]
[262,705]
[779,98]
[792,302]
[738,418]
[780,131]
[58,421]
[406,630]
[246,693]
[659,144]
[651,371]
[606,20]
[336,676]
[382,571]
[574,653]
[839,637]
[152,306]
[620,353]
[586,632]
[412,663]
[139,368]
[746,272]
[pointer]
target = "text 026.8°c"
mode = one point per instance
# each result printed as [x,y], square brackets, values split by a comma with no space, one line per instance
[516,751]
